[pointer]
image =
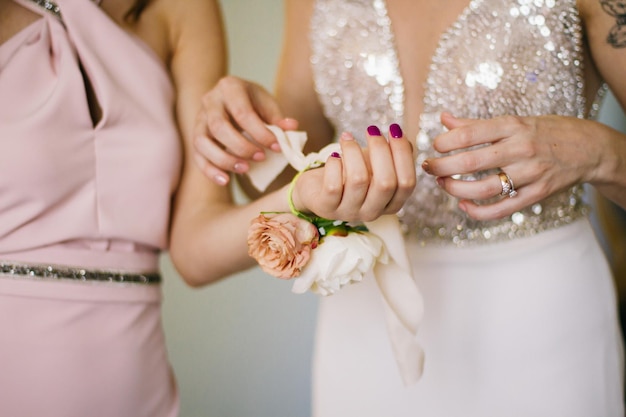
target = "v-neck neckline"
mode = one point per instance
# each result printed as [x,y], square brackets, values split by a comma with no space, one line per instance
[444,36]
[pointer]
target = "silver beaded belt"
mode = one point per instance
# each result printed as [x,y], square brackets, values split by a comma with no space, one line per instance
[77,274]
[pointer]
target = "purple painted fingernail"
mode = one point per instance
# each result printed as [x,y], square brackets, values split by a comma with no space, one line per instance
[396,131]
[373,131]
[335,155]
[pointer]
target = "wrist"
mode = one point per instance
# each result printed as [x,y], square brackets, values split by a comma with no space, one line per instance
[293,199]
[612,156]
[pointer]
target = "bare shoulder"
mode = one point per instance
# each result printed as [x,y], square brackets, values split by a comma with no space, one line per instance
[605,31]
[13,18]
[163,23]
[604,20]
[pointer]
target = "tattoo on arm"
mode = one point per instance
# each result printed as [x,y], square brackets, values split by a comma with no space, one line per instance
[617,9]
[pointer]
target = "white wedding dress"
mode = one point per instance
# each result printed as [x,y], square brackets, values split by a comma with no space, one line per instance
[520,314]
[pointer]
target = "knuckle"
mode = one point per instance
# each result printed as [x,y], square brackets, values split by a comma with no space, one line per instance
[220,160]
[470,162]
[513,120]
[386,185]
[358,180]
[528,149]
[465,136]
[407,184]
[486,190]
[240,113]
[332,190]
[199,143]
[227,82]
[215,124]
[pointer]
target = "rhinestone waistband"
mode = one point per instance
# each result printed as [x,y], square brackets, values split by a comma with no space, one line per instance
[461,231]
[55,272]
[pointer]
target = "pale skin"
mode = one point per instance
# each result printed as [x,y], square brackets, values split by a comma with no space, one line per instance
[349,187]
[357,186]
[543,155]
[208,230]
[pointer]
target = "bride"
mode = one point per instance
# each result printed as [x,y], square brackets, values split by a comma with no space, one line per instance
[500,95]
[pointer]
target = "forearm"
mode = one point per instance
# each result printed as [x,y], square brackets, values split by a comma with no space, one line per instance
[610,176]
[209,242]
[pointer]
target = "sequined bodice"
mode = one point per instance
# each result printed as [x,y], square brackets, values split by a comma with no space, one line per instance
[520,57]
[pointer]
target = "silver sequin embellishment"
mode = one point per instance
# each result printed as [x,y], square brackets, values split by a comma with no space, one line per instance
[52,7]
[55,272]
[501,57]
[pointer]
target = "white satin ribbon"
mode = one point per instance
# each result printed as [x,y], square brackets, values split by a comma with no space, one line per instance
[403,303]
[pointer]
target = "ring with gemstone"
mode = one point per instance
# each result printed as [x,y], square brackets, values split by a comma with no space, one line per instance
[507,185]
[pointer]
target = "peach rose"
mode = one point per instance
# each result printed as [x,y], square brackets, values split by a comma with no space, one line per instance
[281,243]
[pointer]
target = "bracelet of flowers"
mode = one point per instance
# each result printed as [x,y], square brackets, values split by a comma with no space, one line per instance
[321,255]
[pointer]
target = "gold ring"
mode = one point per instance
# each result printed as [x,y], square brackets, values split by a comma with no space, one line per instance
[507,185]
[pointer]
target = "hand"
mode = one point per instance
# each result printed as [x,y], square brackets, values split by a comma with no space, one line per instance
[360,184]
[234,106]
[542,155]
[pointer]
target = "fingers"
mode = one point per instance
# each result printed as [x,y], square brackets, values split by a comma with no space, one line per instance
[250,108]
[500,134]
[483,189]
[393,172]
[356,177]
[332,186]
[505,144]
[382,181]
[320,190]
[404,163]
[484,158]
[233,107]
[361,184]
[465,133]
[525,197]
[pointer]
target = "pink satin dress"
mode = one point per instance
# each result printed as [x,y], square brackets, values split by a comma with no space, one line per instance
[88,195]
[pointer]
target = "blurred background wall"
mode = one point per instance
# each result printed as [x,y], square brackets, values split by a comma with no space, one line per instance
[242,347]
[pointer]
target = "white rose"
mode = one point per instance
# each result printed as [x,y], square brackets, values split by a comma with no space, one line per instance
[339,261]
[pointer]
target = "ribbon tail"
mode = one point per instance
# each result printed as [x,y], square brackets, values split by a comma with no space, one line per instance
[403,302]
[262,173]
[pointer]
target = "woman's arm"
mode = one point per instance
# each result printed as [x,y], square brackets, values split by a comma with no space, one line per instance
[209,231]
[605,27]
[544,154]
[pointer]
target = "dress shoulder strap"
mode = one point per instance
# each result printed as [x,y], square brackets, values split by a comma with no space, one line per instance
[52,7]
[49,6]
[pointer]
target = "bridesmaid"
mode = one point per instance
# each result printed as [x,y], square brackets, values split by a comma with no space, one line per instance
[94,99]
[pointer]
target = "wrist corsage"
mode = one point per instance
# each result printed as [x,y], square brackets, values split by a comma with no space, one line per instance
[322,255]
